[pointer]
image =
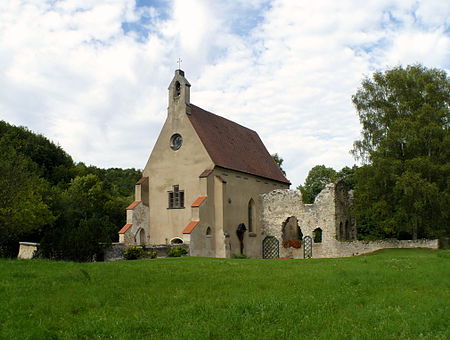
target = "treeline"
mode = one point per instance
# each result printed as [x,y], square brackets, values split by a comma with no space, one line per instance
[73,210]
[402,188]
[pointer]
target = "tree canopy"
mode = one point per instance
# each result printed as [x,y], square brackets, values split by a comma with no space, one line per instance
[45,197]
[319,176]
[403,189]
[279,161]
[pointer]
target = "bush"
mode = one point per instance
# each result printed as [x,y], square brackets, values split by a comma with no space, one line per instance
[292,243]
[151,254]
[133,253]
[239,256]
[177,251]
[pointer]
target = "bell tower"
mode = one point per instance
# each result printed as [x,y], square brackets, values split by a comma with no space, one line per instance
[179,93]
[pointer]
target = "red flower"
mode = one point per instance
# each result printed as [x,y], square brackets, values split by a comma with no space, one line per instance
[292,243]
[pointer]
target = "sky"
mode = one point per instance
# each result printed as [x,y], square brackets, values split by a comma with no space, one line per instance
[92,75]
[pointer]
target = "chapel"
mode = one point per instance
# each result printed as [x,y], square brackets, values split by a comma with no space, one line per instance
[202,183]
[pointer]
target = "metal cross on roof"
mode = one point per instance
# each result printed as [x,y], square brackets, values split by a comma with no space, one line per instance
[179,63]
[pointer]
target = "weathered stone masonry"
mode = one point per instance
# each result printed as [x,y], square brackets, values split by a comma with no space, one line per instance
[329,216]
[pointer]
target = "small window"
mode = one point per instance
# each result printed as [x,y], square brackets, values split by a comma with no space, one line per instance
[317,235]
[208,231]
[251,215]
[176,141]
[176,198]
[177,89]
[176,240]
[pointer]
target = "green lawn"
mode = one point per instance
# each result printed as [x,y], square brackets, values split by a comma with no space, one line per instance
[388,295]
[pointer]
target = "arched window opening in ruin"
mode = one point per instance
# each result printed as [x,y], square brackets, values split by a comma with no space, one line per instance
[176,240]
[291,230]
[317,235]
[251,215]
[208,231]
[340,233]
[347,231]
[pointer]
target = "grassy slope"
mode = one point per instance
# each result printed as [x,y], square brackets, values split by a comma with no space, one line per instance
[391,294]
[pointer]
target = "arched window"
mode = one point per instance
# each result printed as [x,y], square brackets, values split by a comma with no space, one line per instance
[208,231]
[317,235]
[340,234]
[176,240]
[251,215]
[347,231]
[177,89]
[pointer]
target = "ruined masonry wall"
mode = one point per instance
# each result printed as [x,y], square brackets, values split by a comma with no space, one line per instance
[331,207]
[354,248]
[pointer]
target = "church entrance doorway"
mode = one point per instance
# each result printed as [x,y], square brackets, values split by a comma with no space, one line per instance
[270,248]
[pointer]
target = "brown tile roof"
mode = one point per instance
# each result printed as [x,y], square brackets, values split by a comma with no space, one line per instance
[206,173]
[125,228]
[142,180]
[198,202]
[133,205]
[233,146]
[190,227]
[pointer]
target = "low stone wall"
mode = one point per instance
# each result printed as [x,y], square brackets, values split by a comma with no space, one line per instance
[354,248]
[115,252]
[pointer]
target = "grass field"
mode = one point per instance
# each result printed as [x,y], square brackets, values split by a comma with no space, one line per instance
[388,295]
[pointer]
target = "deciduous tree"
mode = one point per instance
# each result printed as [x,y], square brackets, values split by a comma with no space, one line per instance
[403,189]
[318,177]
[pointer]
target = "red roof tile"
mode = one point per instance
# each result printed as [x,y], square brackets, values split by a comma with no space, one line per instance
[142,180]
[233,146]
[206,173]
[198,202]
[133,205]
[125,228]
[190,227]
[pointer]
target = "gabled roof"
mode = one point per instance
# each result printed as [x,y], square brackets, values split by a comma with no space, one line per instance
[233,146]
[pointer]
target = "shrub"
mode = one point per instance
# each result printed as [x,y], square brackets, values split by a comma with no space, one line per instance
[177,251]
[239,256]
[133,253]
[151,254]
[292,243]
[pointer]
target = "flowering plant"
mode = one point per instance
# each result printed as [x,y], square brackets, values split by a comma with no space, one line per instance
[292,243]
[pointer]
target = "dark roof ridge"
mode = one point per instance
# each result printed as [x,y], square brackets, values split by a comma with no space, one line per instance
[220,117]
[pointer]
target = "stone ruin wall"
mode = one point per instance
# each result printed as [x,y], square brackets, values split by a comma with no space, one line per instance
[278,205]
[330,208]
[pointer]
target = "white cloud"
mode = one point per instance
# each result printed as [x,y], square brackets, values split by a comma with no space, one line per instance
[286,69]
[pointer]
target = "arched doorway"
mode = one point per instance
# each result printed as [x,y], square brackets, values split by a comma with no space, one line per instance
[139,237]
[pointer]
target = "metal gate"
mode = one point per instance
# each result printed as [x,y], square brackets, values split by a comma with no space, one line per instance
[270,248]
[307,247]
